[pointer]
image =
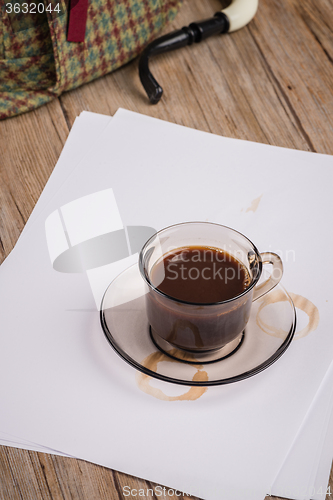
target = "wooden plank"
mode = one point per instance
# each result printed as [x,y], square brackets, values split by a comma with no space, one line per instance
[30,145]
[270,82]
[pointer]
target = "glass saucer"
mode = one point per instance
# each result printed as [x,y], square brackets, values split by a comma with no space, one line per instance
[268,334]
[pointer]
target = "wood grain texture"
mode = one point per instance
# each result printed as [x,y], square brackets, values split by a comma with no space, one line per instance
[271,82]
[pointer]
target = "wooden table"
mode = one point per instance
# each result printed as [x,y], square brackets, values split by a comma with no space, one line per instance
[271,82]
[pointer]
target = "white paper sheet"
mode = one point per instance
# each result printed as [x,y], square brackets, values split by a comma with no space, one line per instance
[83,135]
[324,466]
[225,211]
[300,477]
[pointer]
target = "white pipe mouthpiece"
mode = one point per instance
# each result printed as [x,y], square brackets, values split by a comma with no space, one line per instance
[240,13]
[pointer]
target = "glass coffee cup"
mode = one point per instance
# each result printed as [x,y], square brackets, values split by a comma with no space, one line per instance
[201,279]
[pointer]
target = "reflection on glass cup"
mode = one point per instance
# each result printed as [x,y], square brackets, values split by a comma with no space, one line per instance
[201,279]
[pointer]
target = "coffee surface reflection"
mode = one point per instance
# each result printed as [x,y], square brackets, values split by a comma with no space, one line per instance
[200,275]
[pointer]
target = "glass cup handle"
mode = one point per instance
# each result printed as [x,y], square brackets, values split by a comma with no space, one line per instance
[276,274]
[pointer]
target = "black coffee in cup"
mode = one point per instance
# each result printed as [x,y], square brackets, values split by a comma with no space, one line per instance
[201,279]
[200,275]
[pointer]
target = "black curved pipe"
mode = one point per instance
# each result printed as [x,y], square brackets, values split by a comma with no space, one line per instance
[194,33]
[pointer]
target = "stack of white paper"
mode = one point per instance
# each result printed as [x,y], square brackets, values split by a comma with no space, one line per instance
[64,390]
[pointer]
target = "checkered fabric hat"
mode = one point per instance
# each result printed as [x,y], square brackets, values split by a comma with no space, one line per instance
[38,63]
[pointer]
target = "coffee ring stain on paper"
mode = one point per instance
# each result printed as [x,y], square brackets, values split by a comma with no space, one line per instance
[151,363]
[254,204]
[300,302]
